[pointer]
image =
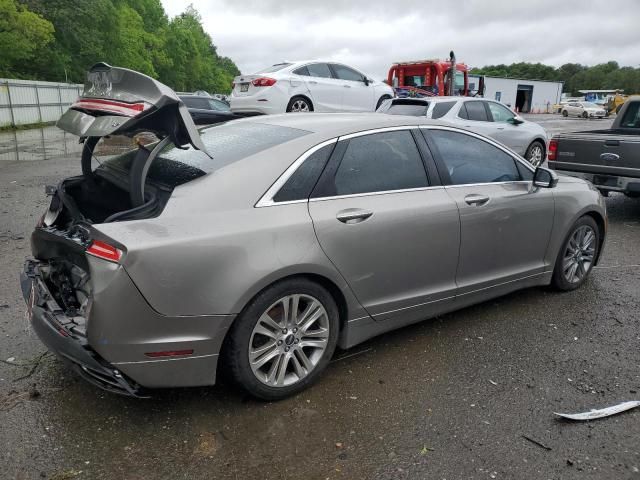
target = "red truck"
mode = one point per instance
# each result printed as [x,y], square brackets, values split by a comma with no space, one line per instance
[432,78]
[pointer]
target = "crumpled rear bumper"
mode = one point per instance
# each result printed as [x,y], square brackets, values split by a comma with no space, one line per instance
[63,336]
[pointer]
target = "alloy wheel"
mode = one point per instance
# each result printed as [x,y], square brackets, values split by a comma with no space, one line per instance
[535,155]
[579,254]
[300,106]
[289,340]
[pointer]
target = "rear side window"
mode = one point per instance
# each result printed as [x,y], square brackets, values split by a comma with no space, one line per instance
[302,71]
[319,70]
[194,102]
[476,111]
[379,162]
[300,184]
[440,109]
[470,160]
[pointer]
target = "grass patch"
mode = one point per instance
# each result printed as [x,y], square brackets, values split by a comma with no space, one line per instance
[11,128]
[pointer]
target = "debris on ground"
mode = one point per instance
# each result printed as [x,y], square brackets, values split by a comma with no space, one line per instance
[601,413]
[536,442]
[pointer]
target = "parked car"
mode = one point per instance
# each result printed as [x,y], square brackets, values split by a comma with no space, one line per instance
[609,158]
[486,117]
[206,110]
[311,86]
[584,110]
[164,266]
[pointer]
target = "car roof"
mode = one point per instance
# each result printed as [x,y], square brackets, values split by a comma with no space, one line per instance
[336,124]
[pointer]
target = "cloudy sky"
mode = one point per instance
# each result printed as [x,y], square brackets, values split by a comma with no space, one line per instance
[372,34]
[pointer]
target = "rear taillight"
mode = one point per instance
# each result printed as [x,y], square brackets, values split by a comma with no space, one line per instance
[263,82]
[105,251]
[553,150]
[111,106]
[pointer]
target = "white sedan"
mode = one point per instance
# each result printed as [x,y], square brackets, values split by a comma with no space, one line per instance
[311,86]
[584,110]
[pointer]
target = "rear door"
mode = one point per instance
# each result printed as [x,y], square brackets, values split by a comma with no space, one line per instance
[475,116]
[357,96]
[325,91]
[505,222]
[391,230]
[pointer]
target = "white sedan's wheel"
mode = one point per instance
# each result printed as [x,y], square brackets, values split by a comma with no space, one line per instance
[299,105]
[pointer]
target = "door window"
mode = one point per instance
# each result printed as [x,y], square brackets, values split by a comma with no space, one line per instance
[319,70]
[346,73]
[499,113]
[476,111]
[302,71]
[377,163]
[300,184]
[469,160]
[440,109]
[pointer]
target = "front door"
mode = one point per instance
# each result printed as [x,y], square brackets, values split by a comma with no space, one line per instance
[326,91]
[505,222]
[357,96]
[392,235]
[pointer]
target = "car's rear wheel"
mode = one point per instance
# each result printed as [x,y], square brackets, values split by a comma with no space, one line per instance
[577,255]
[585,115]
[283,340]
[565,113]
[299,104]
[535,153]
[382,99]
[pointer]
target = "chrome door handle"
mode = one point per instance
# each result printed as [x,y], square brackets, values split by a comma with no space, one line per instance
[353,215]
[313,82]
[346,86]
[475,199]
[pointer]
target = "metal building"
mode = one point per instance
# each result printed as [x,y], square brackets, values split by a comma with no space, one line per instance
[526,96]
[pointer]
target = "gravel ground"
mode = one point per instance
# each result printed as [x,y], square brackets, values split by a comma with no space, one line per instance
[449,398]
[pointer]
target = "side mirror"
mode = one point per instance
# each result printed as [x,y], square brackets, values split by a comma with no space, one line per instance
[545,178]
[517,120]
[366,81]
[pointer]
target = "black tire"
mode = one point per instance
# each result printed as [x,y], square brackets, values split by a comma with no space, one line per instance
[382,99]
[531,151]
[291,106]
[565,113]
[558,280]
[585,115]
[237,346]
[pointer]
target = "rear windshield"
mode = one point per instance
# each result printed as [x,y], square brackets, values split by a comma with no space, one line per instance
[408,107]
[227,144]
[631,117]
[275,68]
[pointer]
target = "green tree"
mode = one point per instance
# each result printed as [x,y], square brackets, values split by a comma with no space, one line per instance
[22,32]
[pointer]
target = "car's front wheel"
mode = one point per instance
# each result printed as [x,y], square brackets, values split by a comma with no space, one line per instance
[565,113]
[283,340]
[535,153]
[299,104]
[577,255]
[585,115]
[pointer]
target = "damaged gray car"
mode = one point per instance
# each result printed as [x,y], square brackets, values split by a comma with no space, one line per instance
[259,246]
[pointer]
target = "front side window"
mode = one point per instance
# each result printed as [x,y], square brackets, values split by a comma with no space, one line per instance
[319,70]
[470,160]
[499,113]
[346,73]
[377,163]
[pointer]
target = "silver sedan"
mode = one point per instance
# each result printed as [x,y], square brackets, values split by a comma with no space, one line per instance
[480,115]
[303,233]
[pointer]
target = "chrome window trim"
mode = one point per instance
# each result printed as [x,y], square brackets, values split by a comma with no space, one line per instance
[489,140]
[382,192]
[267,199]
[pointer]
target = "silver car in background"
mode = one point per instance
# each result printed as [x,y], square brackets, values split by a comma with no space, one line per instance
[258,246]
[486,117]
[584,110]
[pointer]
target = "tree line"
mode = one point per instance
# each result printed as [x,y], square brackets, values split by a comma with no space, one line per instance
[604,76]
[59,40]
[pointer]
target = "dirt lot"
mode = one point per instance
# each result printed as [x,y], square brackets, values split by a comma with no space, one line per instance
[449,398]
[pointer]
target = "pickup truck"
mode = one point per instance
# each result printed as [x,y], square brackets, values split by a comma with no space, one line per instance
[610,159]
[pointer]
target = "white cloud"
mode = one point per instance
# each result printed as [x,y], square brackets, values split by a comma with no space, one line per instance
[372,34]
